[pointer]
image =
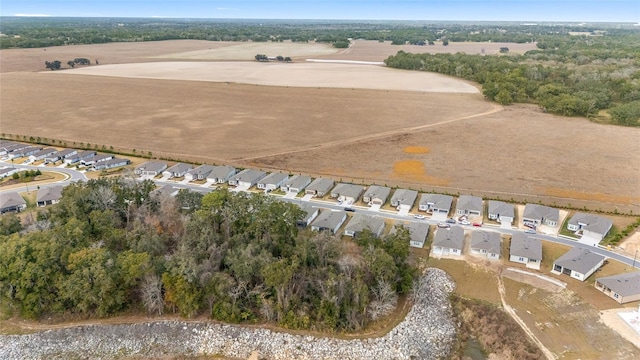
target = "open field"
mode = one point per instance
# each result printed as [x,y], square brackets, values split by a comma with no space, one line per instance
[472,146]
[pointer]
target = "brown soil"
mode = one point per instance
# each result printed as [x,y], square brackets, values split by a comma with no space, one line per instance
[359,135]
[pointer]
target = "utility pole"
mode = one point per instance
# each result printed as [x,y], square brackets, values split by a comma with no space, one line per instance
[634,259]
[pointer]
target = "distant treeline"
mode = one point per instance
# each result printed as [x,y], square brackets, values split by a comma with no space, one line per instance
[110,245]
[567,75]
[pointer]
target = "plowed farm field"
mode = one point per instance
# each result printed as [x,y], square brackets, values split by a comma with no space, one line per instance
[208,102]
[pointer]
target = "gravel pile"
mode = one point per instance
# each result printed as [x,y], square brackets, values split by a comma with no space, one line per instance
[427,332]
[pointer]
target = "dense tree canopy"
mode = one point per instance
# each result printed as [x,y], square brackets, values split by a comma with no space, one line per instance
[112,245]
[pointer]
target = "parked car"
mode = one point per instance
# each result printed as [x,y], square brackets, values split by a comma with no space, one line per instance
[477,224]
[530,225]
[419,217]
[530,231]
[349,209]
[465,222]
[444,225]
[451,221]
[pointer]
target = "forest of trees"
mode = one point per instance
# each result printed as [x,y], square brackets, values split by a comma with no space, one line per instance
[110,246]
[568,75]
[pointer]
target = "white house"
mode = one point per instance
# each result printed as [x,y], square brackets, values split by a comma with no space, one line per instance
[40,155]
[319,187]
[309,214]
[177,170]
[5,172]
[376,195]
[486,243]
[501,212]
[404,199]
[272,181]
[247,178]
[469,205]
[111,164]
[418,232]
[348,193]
[296,183]
[151,168]
[590,226]
[435,203]
[199,172]
[448,241]
[49,195]
[96,159]
[11,201]
[360,222]
[221,174]
[622,288]
[579,263]
[535,214]
[526,250]
[329,221]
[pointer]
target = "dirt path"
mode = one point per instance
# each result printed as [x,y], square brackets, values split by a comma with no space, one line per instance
[329,144]
[548,354]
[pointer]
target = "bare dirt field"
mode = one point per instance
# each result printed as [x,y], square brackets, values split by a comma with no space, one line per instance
[345,133]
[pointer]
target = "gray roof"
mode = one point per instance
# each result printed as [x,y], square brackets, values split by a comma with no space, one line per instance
[308,212]
[329,219]
[439,201]
[49,194]
[112,162]
[179,168]
[452,238]
[404,197]
[273,178]
[526,246]
[418,231]
[221,172]
[539,212]
[376,191]
[298,181]
[45,152]
[86,154]
[623,284]
[249,175]
[6,170]
[595,223]
[11,199]
[501,208]
[321,185]
[201,171]
[350,190]
[65,152]
[486,240]
[155,166]
[579,259]
[469,203]
[165,190]
[359,222]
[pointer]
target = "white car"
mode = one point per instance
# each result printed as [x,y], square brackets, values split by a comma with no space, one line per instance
[419,217]
[465,222]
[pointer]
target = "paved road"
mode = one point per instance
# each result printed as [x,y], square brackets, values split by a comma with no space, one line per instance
[75,175]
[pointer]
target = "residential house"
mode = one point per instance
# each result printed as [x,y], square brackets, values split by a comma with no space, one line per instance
[296,183]
[592,226]
[272,181]
[579,263]
[151,168]
[221,174]
[40,155]
[77,157]
[526,250]
[96,159]
[177,170]
[622,288]
[319,187]
[247,178]
[9,148]
[448,241]
[61,155]
[404,199]
[469,205]
[418,232]
[348,193]
[329,221]
[110,164]
[360,222]
[435,203]
[309,214]
[11,201]
[486,243]
[199,173]
[49,195]
[5,172]
[25,151]
[376,195]
[166,190]
[501,212]
[6,146]
[535,214]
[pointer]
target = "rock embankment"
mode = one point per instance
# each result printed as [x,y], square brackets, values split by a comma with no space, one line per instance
[427,332]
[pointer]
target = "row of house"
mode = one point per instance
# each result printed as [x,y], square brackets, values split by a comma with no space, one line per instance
[13,202]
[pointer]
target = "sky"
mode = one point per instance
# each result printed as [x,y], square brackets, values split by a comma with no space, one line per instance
[462,10]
